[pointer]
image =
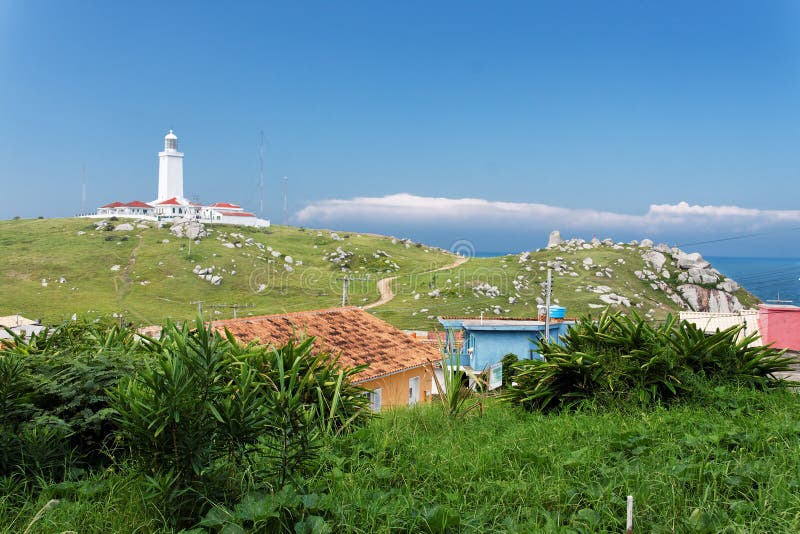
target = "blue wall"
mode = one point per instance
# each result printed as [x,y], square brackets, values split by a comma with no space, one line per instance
[491,343]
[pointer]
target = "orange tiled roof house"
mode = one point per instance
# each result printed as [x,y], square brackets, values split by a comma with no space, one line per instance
[398,373]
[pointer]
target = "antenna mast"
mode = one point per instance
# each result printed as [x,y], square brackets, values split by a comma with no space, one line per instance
[261,175]
[285,193]
[83,191]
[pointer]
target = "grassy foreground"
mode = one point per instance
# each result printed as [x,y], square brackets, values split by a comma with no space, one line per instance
[727,463]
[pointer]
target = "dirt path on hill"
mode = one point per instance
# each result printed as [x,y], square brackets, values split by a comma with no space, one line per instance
[385,284]
[123,281]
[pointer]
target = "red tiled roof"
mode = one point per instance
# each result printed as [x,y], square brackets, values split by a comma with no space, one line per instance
[116,204]
[237,214]
[170,202]
[225,205]
[137,204]
[359,337]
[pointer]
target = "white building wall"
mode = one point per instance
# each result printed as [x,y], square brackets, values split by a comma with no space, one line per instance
[710,322]
[242,221]
[170,175]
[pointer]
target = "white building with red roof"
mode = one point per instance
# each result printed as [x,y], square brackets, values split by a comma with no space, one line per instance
[171,204]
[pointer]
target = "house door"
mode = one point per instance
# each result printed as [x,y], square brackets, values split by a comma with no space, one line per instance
[413,391]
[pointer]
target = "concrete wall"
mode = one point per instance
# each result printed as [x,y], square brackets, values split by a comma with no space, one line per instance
[710,322]
[780,325]
[240,221]
[394,388]
[489,346]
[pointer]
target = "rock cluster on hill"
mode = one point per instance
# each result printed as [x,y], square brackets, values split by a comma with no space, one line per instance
[686,279]
[207,274]
[188,229]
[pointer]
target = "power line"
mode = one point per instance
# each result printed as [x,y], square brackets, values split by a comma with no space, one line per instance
[741,236]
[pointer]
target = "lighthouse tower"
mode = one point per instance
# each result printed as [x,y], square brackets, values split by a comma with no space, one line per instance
[170,170]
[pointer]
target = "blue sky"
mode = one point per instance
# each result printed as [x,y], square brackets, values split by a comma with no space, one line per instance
[591,117]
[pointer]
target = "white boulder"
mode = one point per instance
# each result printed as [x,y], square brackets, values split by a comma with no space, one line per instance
[655,258]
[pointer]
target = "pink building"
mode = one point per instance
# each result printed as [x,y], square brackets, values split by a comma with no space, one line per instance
[779,324]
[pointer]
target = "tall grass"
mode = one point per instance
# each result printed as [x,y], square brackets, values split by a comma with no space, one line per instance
[729,466]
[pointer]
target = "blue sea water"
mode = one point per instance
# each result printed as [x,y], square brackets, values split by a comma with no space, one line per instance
[767,278]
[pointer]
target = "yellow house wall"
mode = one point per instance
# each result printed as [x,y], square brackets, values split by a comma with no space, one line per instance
[394,388]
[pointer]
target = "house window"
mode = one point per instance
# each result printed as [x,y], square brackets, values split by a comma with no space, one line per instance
[375,400]
[413,391]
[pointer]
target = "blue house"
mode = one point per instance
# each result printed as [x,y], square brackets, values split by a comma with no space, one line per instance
[486,341]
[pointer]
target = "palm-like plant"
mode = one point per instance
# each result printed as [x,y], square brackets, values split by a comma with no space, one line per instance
[623,358]
[453,393]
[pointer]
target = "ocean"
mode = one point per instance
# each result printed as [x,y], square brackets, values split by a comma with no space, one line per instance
[767,278]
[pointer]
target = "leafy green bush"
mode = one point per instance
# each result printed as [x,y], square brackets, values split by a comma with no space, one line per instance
[621,359]
[54,413]
[509,370]
[197,414]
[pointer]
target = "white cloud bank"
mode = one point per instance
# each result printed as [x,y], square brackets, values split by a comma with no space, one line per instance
[404,208]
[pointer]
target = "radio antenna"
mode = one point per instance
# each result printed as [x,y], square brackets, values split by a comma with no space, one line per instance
[83,191]
[261,175]
[285,194]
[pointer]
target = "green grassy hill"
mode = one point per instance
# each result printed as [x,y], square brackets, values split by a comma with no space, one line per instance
[147,274]
[516,281]
[54,268]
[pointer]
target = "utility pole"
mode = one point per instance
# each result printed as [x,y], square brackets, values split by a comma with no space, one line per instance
[235,307]
[199,307]
[346,285]
[548,290]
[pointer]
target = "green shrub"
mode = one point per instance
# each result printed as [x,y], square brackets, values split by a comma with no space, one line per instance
[196,414]
[623,359]
[53,396]
[509,370]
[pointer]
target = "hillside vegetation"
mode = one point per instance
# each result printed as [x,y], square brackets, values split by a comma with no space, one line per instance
[54,268]
[585,280]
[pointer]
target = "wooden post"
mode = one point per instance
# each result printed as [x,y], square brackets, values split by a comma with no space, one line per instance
[547,305]
[629,523]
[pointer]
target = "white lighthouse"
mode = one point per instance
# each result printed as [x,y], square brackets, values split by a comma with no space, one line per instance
[171,204]
[170,170]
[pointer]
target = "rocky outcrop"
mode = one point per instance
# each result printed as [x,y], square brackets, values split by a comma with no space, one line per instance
[690,261]
[700,298]
[207,274]
[555,239]
[687,279]
[188,229]
[655,258]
